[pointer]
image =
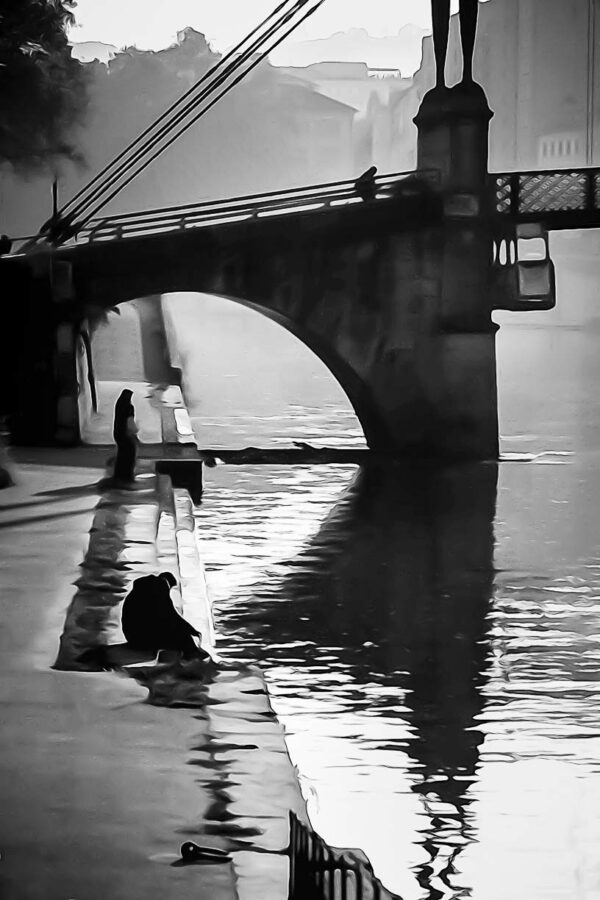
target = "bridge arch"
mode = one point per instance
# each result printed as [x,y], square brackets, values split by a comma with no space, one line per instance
[355,390]
[349,287]
[346,377]
[379,294]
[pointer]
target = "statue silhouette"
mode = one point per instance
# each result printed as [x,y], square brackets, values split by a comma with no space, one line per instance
[468,26]
[440,12]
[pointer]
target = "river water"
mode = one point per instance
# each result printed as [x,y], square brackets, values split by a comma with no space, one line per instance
[431,638]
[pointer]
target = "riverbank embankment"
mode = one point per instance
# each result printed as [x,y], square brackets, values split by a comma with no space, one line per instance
[106,773]
[110,762]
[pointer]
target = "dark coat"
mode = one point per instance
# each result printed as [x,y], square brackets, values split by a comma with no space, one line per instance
[151,622]
[124,411]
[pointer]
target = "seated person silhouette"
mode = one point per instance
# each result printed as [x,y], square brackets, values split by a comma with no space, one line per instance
[151,622]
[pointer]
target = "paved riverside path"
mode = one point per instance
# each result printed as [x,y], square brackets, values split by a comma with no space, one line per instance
[99,787]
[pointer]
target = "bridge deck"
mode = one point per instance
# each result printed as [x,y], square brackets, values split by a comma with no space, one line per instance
[251,207]
[558,199]
[563,199]
[223,246]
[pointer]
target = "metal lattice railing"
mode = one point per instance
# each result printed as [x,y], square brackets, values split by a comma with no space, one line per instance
[531,194]
[318,872]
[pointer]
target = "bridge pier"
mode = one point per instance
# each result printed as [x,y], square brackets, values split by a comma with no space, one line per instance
[41,355]
[453,138]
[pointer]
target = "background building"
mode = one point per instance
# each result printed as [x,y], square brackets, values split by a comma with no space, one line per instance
[536,61]
[368,91]
[330,120]
[273,130]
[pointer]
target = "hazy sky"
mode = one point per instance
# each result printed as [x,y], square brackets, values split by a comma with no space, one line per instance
[151,24]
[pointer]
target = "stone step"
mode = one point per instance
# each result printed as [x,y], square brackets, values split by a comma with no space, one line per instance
[122,547]
[194,594]
[242,760]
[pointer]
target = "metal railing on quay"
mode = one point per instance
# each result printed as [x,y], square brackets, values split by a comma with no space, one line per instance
[318,872]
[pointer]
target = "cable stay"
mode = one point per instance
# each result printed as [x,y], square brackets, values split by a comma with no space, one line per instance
[214,70]
[255,62]
[196,102]
[221,80]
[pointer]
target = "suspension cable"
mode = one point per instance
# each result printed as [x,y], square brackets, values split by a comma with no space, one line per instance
[220,79]
[191,90]
[202,112]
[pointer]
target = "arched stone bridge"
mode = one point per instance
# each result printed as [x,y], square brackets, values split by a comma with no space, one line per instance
[392,289]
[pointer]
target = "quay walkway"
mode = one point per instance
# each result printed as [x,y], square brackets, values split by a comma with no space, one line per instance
[106,773]
[112,760]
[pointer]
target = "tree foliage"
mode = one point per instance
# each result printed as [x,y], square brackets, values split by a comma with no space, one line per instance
[43,90]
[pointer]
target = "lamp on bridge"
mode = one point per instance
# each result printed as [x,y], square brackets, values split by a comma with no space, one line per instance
[523,276]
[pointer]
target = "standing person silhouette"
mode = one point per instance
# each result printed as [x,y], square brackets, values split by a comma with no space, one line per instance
[125,436]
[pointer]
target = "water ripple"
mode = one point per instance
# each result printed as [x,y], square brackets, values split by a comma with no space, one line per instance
[439,686]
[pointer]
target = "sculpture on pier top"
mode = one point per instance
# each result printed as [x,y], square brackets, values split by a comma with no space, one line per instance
[440,12]
[453,122]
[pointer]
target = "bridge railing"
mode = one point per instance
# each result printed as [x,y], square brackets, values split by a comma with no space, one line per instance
[531,195]
[252,206]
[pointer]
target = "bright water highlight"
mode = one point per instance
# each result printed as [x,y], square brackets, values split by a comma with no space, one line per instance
[431,638]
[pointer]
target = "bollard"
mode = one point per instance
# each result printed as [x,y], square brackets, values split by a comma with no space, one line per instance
[184,473]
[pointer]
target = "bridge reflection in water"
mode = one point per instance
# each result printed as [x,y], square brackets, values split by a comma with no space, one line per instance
[374,636]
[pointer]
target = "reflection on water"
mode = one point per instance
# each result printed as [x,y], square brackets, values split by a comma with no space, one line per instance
[432,639]
[444,716]
[374,634]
